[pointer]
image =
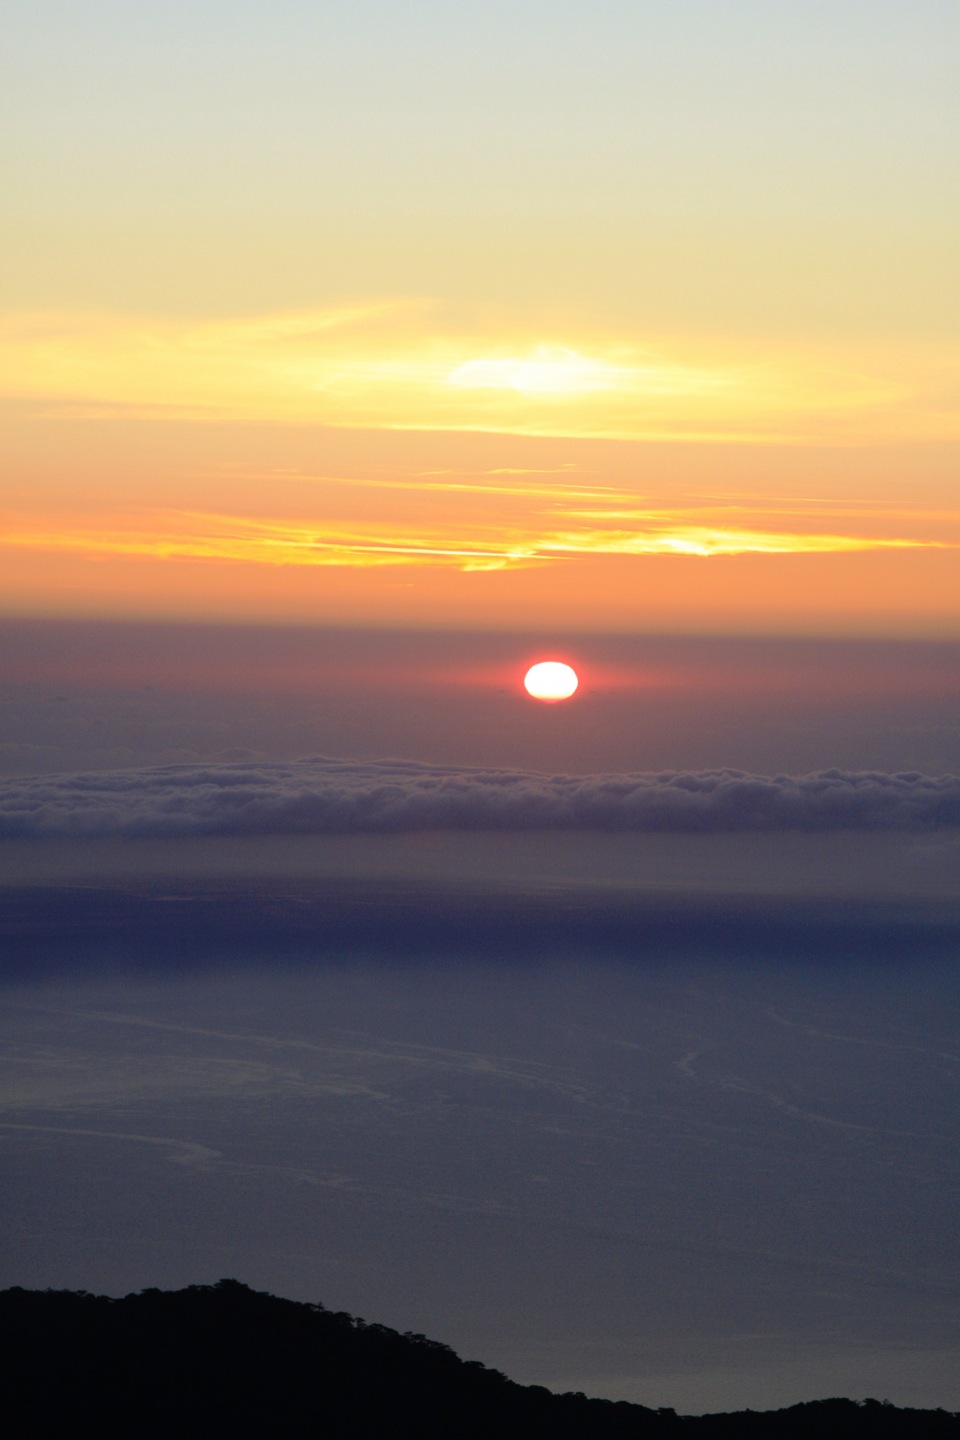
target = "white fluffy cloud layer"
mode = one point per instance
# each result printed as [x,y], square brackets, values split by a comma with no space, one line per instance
[322,796]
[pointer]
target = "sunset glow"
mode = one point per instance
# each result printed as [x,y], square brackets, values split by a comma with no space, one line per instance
[479,676]
[623,357]
[403,366]
[95,401]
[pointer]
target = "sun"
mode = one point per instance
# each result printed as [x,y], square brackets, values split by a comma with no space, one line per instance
[551,680]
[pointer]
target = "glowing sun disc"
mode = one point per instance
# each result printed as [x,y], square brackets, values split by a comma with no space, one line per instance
[551,680]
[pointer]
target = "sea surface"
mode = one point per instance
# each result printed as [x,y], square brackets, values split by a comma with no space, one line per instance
[706,1160]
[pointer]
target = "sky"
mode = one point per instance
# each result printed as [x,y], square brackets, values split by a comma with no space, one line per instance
[478,316]
[354,358]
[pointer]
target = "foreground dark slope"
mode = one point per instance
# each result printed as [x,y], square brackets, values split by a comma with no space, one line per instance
[225,1360]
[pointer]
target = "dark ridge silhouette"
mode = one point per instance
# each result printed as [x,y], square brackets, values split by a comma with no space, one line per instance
[224,1360]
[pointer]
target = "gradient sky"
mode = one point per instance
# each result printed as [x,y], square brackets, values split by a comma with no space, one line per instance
[629,315]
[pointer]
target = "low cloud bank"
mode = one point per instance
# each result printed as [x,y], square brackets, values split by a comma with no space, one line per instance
[322,796]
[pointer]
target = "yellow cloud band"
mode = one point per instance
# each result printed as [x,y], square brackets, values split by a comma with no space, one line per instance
[397,366]
[263,542]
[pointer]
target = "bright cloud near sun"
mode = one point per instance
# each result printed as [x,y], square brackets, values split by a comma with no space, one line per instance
[548,370]
[398,365]
[705,540]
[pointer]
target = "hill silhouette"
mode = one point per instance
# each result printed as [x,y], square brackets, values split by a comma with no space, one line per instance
[225,1360]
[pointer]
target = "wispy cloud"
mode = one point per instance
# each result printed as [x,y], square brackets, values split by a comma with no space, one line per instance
[269,542]
[470,543]
[707,540]
[402,365]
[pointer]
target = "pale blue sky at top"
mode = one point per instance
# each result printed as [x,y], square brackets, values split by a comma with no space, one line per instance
[772,125]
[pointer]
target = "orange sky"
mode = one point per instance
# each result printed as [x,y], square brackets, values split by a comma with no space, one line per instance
[147,515]
[445,340]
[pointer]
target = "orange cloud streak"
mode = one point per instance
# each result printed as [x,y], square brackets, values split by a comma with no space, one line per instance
[268,542]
